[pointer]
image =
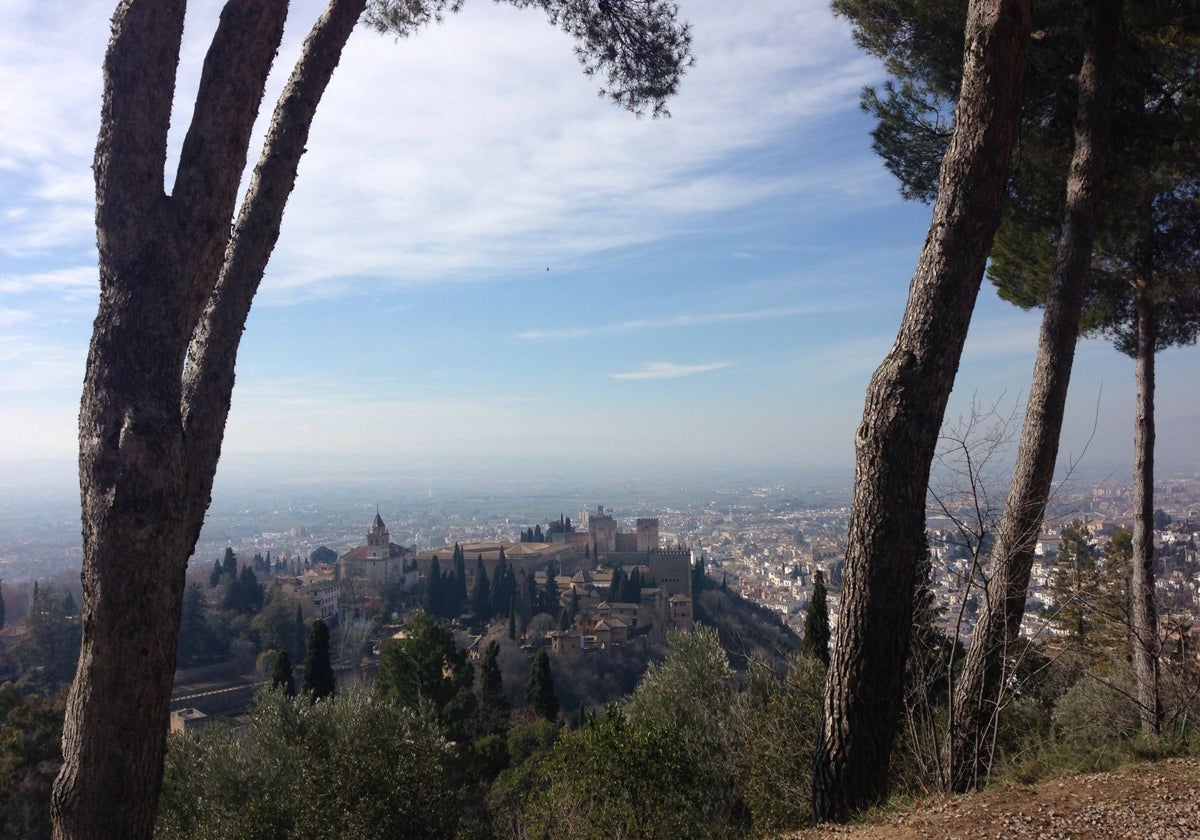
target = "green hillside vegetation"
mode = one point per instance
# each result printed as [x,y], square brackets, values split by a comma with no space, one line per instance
[746,629]
[697,748]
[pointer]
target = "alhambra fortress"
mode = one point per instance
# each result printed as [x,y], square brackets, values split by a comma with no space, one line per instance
[583,563]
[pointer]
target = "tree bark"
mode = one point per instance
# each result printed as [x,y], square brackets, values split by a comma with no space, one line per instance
[1144,612]
[978,691]
[150,438]
[905,404]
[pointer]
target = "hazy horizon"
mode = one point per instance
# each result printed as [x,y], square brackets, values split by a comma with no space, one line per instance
[484,265]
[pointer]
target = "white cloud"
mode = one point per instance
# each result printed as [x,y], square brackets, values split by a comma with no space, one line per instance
[64,281]
[424,165]
[475,146]
[695,320]
[30,364]
[1011,335]
[670,370]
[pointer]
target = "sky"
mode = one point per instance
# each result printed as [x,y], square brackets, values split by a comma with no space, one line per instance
[483,259]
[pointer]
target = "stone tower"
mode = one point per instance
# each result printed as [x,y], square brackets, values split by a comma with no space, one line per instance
[647,534]
[603,532]
[378,540]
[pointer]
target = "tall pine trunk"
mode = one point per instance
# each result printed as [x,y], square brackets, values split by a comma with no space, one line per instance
[175,289]
[1144,612]
[977,694]
[905,404]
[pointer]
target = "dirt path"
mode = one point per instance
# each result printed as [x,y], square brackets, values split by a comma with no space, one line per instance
[1158,801]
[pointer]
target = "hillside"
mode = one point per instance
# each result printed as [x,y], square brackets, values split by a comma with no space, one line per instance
[1136,802]
[744,627]
[597,678]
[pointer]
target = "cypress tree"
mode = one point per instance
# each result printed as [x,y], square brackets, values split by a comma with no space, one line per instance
[499,585]
[550,597]
[816,622]
[252,595]
[460,580]
[215,577]
[281,676]
[492,702]
[299,634]
[481,592]
[2,616]
[318,680]
[229,565]
[616,589]
[512,620]
[699,576]
[433,586]
[540,696]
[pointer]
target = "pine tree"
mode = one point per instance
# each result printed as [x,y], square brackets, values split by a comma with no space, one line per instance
[318,680]
[281,676]
[539,696]
[1089,591]
[426,666]
[816,622]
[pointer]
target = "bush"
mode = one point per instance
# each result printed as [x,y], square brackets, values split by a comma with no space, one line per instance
[661,767]
[774,724]
[352,766]
[1098,713]
[614,778]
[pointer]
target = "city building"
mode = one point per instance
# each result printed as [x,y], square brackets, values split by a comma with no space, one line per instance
[380,560]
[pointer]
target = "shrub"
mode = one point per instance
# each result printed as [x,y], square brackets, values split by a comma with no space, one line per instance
[352,766]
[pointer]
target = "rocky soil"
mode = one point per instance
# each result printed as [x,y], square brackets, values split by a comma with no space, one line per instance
[1159,801]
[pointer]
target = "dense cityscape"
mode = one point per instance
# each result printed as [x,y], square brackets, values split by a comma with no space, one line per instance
[764,542]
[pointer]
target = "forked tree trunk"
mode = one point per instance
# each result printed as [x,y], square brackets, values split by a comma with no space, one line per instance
[175,289]
[1144,611]
[905,404]
[977,694]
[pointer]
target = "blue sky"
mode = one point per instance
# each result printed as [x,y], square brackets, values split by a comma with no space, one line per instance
[483,258]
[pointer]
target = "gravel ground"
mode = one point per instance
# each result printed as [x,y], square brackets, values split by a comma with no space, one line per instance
[1159,801]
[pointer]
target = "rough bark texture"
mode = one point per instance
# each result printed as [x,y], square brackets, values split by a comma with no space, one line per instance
[1143,611]
[905,404]
[978,691]
[149,438]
